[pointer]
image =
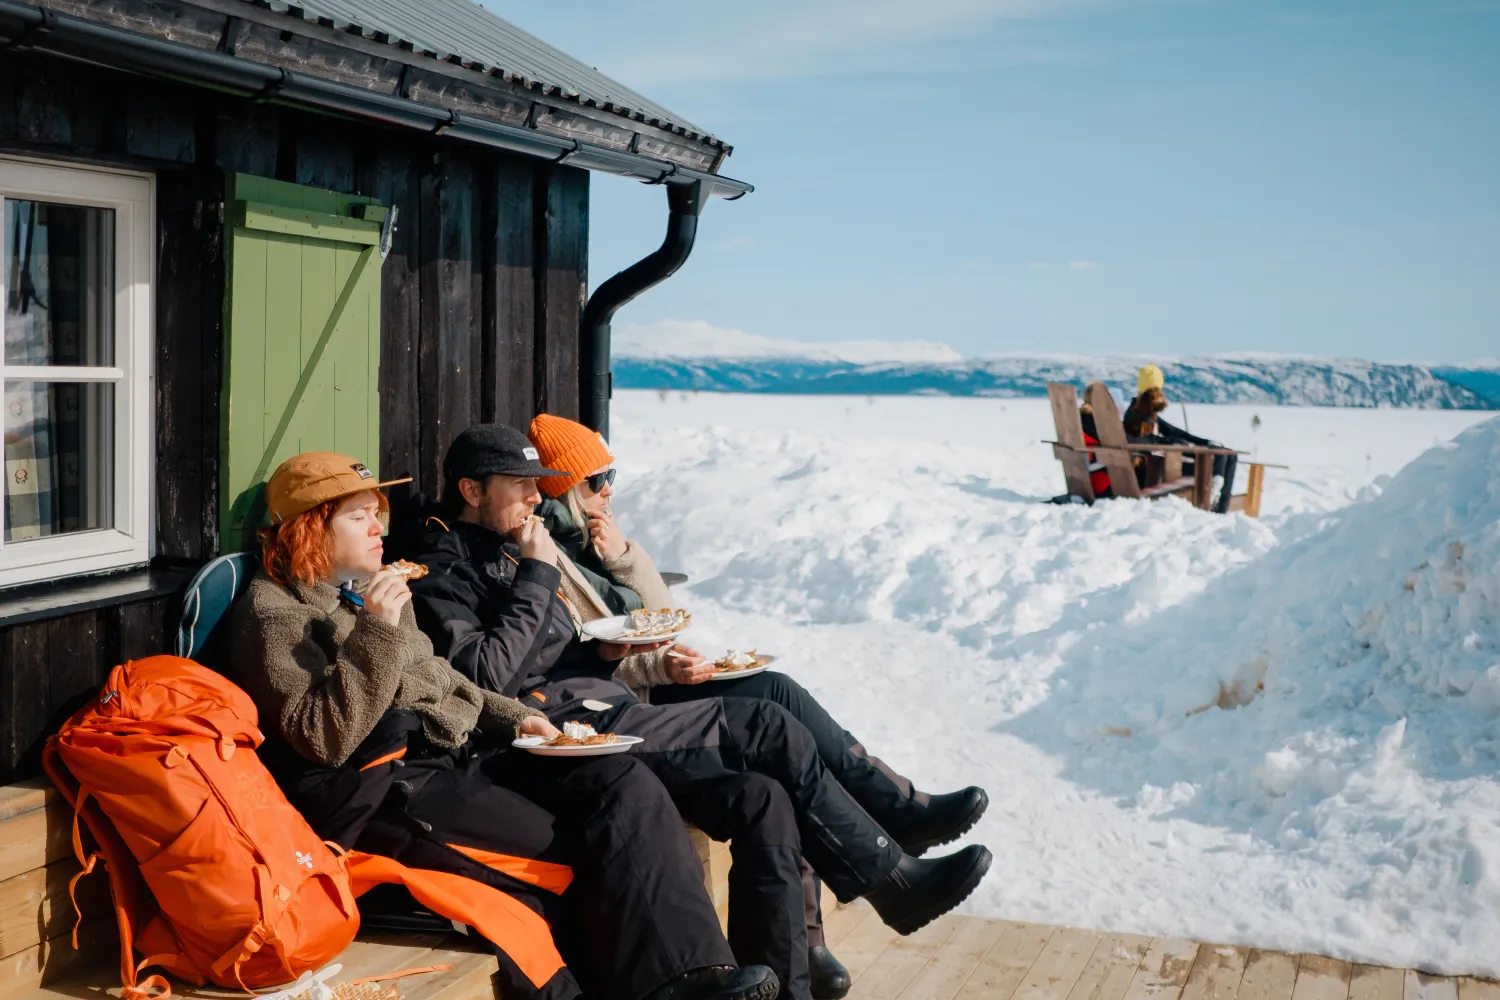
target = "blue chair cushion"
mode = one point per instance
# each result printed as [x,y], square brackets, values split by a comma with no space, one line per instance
[206,605]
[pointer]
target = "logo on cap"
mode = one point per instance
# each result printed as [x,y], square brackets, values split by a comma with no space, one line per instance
[530,453]
[363,472]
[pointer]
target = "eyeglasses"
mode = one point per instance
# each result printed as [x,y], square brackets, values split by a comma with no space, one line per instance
[599,480]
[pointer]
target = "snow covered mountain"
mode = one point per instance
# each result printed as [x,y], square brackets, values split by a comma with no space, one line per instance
[696,356]
[1285,381]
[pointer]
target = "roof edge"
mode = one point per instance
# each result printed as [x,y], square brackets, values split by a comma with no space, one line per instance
[66,35]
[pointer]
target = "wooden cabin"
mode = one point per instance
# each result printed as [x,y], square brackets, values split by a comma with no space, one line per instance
[235,230]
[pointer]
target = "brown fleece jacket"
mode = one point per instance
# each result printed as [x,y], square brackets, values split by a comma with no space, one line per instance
[322,673]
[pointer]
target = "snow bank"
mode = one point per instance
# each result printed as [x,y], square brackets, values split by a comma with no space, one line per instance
[1337,701]
[1277,733]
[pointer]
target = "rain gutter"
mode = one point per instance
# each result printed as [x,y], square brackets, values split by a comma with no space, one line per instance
[685,203]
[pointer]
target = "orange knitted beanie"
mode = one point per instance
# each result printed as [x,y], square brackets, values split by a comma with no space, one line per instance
[570,447]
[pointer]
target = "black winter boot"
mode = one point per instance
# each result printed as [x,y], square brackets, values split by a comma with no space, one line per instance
[946,818]
[748,982]
[918,891]
[828,977]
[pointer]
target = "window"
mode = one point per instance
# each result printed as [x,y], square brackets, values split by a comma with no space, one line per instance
[76,284]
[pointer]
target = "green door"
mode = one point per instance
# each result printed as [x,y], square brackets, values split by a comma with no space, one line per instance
[301,337]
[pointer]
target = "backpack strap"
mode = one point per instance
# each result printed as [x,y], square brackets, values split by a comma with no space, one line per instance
[125,887]
[142,991]
[271,908]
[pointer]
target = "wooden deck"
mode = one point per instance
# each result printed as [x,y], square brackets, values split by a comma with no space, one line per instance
[967,958]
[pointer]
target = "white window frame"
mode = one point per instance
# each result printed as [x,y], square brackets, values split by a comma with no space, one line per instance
[133,197]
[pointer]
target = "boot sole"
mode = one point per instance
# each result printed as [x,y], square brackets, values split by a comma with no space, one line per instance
[768,990]
[921,847]
[914,922]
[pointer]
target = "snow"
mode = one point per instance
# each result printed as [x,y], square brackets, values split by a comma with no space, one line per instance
[1278,733]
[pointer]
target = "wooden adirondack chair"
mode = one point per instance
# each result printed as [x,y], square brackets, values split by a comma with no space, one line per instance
[1163,461]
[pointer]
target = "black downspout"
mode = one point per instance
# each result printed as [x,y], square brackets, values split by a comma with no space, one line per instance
[685,203]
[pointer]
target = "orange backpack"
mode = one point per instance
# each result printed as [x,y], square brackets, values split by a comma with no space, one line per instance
[162,769]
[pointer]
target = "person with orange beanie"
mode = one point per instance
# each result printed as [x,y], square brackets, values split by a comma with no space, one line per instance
[604,573]
[743,770]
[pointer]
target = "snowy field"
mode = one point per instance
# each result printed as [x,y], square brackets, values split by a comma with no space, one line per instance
[1278,733]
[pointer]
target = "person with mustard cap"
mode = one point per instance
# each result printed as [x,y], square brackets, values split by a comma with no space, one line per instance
[385,748]
[1143,422]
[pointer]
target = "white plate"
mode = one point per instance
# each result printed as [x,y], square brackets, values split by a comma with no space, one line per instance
[609,629]
[534,745]
[734,675]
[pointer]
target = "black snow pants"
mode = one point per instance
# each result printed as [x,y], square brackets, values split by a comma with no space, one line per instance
[636,913]
[888,797]
[1225,466]
[746,771]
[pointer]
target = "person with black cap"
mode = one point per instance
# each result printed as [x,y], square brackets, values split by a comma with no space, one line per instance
[742,770]
[385,748]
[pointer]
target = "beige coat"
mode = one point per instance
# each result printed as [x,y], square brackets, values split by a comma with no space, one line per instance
[635,570]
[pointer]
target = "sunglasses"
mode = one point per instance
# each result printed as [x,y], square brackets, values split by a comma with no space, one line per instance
[599,480]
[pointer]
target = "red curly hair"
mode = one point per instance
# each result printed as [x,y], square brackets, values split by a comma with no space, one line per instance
[301,550]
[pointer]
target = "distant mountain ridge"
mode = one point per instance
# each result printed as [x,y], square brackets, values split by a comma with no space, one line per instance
[1247,379]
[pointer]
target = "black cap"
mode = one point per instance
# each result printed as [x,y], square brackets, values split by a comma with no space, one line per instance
[492,450]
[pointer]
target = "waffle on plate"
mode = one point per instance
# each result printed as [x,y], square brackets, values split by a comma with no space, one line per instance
[579,734]
[659,622]
[734,660]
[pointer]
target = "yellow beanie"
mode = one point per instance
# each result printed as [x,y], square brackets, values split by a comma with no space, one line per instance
[1149,377]
[570,447]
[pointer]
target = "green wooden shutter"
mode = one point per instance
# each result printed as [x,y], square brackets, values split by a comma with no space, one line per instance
[301,337]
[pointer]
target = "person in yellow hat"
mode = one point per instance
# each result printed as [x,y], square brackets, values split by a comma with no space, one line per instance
[1143,422]
[386,748]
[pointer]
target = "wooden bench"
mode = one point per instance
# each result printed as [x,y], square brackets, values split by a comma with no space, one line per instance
[1117,454]
[38,961]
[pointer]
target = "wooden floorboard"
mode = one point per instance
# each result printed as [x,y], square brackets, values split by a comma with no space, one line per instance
[1056,970]
[863,946]
[894,969]
[956,959]
[1269,975]
[1006,964]
[1216,973]
[1164,970]
[842,921]
[1321,978]
[1374,982]
[1111,968]
[1420,986]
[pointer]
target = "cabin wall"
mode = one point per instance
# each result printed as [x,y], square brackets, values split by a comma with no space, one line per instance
[481,297]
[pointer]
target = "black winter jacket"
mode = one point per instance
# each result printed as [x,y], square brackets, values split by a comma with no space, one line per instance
[495,616]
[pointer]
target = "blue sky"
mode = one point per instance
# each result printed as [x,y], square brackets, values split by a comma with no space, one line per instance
[1183,176]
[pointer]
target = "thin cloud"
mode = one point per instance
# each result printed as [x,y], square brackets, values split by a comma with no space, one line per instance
[736,243]
[794,38]
[1083,265]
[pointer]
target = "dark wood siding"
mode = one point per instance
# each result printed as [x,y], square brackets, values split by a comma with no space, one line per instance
[480,300]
